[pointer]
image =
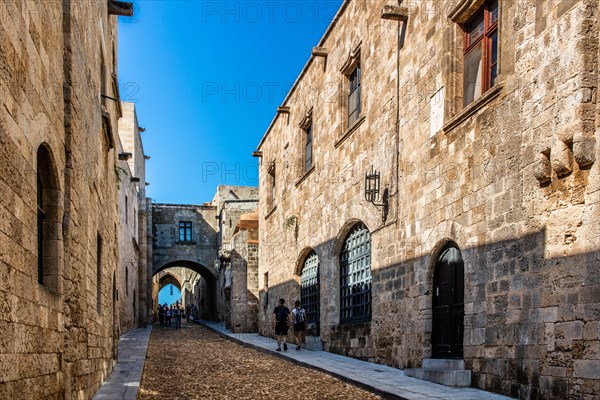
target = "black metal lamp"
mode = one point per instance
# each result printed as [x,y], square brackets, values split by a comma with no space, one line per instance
[125,156]
[134,179]
[372,189]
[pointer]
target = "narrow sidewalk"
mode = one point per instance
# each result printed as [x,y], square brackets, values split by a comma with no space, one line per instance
[124,381]
[386,381]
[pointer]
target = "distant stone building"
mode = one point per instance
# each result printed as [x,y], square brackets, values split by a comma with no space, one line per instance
[237,258]
[131,278]
[186,236]
[59,106]
[430,190]
[209,252]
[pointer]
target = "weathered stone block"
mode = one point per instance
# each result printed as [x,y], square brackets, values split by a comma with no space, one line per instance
[589,369]
[584,150]
[561,158]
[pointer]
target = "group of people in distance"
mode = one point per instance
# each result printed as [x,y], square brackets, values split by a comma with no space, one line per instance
[170,317]
[283,318]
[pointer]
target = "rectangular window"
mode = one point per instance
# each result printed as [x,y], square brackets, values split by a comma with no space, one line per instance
[126,210]
[272,186]
[481,52]
[185,231]
[354,96]
[266,305]
[308,147]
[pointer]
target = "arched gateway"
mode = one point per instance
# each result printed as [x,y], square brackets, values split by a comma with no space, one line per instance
[207,285]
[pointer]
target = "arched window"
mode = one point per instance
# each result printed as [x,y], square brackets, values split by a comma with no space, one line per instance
[48,226]
[309,288]
[355,276]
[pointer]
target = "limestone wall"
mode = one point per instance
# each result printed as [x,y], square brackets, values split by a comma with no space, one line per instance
[57,337]
[512,179]
[243,302]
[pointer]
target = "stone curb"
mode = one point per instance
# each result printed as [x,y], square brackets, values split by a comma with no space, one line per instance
[362,385]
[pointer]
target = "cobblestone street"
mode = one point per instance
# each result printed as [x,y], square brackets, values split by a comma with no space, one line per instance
[195,363]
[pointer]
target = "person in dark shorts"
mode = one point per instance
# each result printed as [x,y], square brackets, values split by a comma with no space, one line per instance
[299,318]
[281,316]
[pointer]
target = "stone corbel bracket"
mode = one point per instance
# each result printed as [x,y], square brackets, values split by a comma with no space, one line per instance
[121,8]
[284,110]
[394,13]
[560,157]
[321,52]
[584,150]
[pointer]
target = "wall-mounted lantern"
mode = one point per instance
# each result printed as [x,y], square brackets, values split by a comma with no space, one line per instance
[125,156]
[134,179]
[372,190]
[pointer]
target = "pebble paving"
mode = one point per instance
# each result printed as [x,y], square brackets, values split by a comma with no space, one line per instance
[195,363]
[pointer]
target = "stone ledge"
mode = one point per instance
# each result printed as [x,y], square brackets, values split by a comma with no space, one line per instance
[472,108]
[306,174]
[454,378]
[350,130]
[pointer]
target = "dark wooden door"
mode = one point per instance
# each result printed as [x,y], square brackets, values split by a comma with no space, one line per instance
[448,304]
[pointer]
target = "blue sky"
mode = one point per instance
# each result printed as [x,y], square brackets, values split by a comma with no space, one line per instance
[207,77]
[165,296]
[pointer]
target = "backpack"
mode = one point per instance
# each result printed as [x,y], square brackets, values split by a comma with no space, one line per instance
[299,316]
[282,314]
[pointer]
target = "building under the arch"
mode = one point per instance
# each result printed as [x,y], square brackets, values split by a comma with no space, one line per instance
[211,249]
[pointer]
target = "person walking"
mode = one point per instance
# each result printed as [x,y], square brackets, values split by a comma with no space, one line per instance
[161,315]
[281,316]
[168,313]
[177,317]
[299,318]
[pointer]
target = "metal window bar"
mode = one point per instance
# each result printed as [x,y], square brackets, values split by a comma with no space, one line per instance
[309,288]
[185,231]
[355,276]
[308,149]
[354,96]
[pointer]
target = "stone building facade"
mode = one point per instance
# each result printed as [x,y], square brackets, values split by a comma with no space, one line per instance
[131,277]
[430,189]
[59,229]
[210,252]
[237,262]
[186,236]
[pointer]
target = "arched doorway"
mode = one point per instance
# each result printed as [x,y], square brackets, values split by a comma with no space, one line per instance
[355,276]
[309,291]
[448,304]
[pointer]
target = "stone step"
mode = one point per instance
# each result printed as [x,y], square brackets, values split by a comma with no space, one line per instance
[455,378]
[443,363]
[312,343]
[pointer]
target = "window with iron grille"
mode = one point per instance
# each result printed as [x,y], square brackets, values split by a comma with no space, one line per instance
[354,96]
[309,288]
[185,231]
[481,52]
[355,276]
